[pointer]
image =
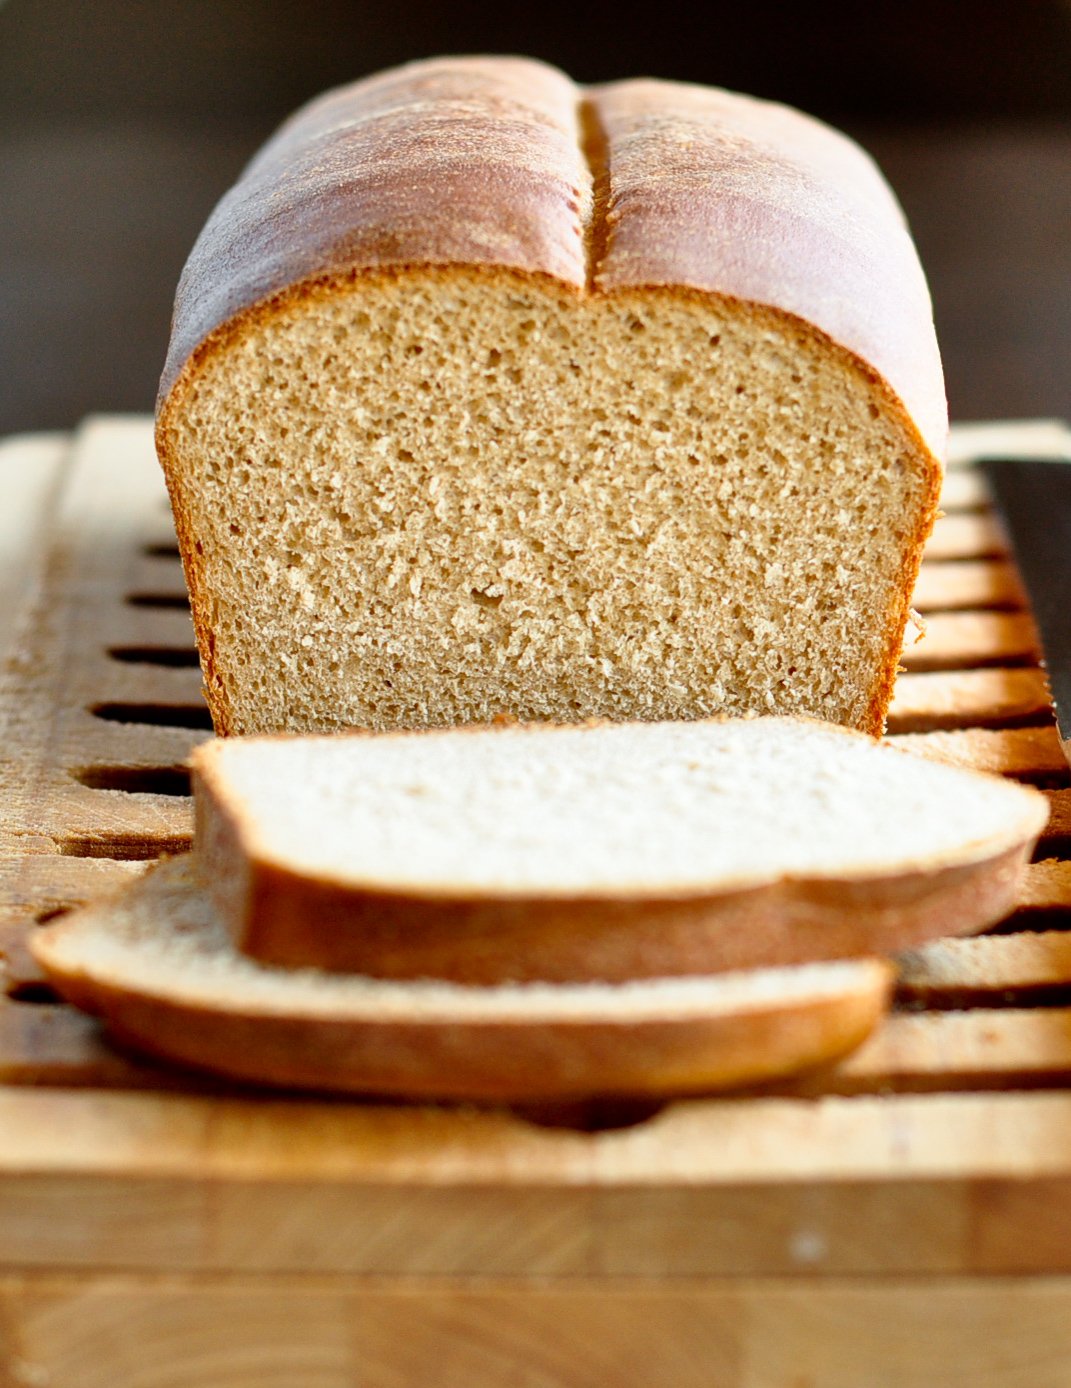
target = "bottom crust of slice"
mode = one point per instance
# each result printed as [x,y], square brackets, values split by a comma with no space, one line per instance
[773,925]
[156,965]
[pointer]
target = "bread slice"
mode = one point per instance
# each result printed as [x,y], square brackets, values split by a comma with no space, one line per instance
[488,393]
[599,852]
[157,966]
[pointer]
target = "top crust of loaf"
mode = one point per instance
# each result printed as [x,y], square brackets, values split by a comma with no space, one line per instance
[506,164]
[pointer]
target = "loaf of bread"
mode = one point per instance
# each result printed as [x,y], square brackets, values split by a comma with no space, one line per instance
[572,854]
[156,964]
[488,393]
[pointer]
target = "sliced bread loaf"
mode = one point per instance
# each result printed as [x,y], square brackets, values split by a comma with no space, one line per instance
[158,967]
[615,851]
[488,393]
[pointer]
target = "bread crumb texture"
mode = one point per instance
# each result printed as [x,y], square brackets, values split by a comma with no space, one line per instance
[667,809]
[422,499]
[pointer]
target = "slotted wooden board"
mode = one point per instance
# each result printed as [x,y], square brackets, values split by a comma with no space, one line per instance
[903,1218]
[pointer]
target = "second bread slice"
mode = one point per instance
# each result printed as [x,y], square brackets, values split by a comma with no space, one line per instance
[156,965]
[605,852]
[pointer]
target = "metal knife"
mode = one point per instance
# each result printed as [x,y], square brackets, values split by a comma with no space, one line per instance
[1033,499]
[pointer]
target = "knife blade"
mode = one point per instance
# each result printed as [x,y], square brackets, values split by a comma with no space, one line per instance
[1033,499]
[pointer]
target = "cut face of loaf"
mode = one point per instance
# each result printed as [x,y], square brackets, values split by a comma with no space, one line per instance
[493,855]
[488,394]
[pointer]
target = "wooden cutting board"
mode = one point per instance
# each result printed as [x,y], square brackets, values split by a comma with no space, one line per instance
[903,1218]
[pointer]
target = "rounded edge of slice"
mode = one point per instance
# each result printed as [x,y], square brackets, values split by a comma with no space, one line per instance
[154,963]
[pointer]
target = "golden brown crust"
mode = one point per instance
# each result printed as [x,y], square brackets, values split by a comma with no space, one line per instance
[882,694]
[495,1062]
[511,1053]
[292,921]
[213,687]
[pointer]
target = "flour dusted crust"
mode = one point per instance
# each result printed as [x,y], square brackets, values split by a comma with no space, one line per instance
[480,161]
[645,201]
[451,162]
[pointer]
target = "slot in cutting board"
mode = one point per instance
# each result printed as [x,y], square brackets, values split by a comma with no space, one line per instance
[223,1237]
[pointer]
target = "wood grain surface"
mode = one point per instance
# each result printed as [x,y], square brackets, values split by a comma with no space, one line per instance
[337,1333]
[160,1228]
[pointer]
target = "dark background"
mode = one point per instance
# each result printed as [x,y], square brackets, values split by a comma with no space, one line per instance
[122,121]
